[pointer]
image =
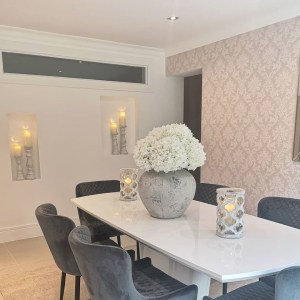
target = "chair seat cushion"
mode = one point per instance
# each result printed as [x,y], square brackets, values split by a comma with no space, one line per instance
[269,280]
[254,291]
[150,281]
[99,230]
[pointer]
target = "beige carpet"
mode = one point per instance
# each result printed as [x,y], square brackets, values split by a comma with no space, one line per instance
[39,284]
[44,284]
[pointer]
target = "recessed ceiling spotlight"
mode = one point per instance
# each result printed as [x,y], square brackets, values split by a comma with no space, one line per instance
[173,18]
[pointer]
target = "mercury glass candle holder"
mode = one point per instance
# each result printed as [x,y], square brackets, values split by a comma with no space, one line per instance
[29,164]
[123,149]
[20,175]
[115,147]
[128,184]
[230,212]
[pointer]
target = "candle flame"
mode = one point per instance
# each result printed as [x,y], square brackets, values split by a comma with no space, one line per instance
[229,207]
[127,180]
[27,133]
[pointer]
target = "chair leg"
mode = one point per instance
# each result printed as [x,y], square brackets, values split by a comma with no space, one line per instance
[77,287]
[138,250]
[119,240]
[62,285]
[225,288]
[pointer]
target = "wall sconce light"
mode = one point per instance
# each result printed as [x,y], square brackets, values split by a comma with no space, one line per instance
[122,125]
[27,137]
[114,134]
[114,137]
[24,146]
[16,151]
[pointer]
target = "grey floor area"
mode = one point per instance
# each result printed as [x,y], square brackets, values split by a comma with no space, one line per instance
[28,272]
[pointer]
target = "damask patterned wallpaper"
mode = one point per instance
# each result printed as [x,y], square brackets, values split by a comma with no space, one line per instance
[248,109]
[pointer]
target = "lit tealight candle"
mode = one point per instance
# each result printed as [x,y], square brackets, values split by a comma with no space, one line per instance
[128,183]
[113,128]
[122,118]
[27,136]
[127,180]
[230,207]
[16,149]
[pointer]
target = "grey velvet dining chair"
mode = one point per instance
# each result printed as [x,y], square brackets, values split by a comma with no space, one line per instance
[98,229]
[281,210]
[56,230]
[207,193]
[287,287]
[109,273]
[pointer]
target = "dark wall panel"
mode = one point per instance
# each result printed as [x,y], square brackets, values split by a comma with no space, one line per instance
[18,63]
[192,109]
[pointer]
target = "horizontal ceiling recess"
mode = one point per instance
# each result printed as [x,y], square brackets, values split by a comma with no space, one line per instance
[18,63]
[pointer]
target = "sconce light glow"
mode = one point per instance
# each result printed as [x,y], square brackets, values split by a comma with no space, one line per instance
[122,117]
[27,136]
[173,18]
[113,127]
[16,148]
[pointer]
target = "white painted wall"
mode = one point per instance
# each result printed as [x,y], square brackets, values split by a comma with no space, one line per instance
[69,124]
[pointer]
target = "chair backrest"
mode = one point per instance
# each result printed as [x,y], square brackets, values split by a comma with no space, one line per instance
[99,230]
[207,192]
[281,210]
[97,187]
[287,285]
[106,270]
[56,230]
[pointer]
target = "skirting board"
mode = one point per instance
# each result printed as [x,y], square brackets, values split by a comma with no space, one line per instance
[22,232]
[28,231]
[10,234]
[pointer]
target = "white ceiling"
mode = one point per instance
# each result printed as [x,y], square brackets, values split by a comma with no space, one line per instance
[143,22]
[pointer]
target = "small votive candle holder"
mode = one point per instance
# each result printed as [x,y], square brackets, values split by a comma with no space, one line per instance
[128,184]
[230,212]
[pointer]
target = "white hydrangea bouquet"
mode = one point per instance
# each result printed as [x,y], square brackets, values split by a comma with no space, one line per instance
[169,148]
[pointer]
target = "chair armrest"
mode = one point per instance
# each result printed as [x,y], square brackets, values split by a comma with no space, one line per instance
[207,298]
[189,292]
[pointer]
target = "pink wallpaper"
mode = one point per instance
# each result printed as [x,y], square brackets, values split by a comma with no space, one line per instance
[249,105]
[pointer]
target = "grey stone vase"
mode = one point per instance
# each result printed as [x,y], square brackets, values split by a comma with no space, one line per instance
[167,195]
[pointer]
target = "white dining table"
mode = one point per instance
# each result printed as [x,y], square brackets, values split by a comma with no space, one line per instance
[188,248]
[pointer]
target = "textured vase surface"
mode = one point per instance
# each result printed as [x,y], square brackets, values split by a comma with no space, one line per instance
[167,195]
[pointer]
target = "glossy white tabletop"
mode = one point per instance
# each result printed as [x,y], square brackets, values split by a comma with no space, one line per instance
[266,247]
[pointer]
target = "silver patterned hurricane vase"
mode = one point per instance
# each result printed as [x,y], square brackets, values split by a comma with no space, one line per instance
[167,195]
[230,212]
[128,184]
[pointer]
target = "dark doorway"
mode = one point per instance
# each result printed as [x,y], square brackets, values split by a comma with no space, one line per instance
[192,109]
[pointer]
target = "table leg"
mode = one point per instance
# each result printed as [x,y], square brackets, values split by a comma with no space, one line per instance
[178,271]
[203,283]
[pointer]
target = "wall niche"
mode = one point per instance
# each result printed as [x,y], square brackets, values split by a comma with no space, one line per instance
[119,124]
[24,152]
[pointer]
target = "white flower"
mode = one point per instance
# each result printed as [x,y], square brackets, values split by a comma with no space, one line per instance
[169,148]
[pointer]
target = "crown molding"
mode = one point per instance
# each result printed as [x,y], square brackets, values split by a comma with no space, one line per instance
[70,47]
[40,37]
